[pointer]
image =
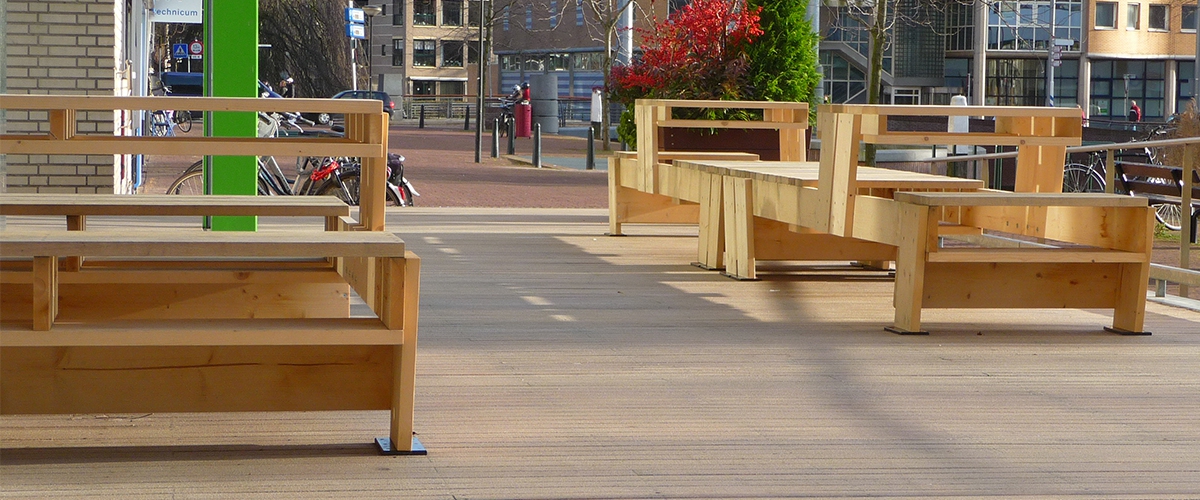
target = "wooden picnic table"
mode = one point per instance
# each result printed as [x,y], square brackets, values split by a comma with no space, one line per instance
[77,207]
[766,211]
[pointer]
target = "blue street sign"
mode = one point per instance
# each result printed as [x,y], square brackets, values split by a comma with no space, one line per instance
[356,16]
[356,31]
[179,50]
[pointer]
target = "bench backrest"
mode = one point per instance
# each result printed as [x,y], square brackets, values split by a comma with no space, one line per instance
[200,244]
[1041,135]
[365,137]
[652,116]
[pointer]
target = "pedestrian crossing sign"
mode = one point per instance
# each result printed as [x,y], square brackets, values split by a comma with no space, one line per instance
[179,50]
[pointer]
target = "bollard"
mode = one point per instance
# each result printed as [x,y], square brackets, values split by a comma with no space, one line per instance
[537,145]
[591,151]
[512,130]
[467,120]
[421,124]
[496,138]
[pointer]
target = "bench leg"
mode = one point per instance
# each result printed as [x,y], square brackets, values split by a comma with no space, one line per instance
[74,223]
[1129,314]
[401,283]
[45,292]
[739,228]
[916,223]
[710,253]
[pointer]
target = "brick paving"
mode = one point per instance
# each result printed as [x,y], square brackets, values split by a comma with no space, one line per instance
[440,163]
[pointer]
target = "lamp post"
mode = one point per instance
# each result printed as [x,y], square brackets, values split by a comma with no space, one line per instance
[371,11]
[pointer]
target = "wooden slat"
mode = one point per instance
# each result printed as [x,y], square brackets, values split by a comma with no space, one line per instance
[248,146]
[977,139]
[1033,255]
[103,103]
[16,243]
[735,124]
[1009,199]
[174,205]
[201,332]
[926,110]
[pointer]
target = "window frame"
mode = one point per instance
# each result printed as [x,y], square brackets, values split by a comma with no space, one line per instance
[423,18]
[1133,16]
[398,50]
[1112,16]
[449,63]
[1165,11]
[451,22]
[419,54]
[1185,26]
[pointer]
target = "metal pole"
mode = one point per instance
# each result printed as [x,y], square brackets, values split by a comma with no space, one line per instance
[1050,60]
[353,63]
[479,98]
[467,118]
[421,122]
[537,145]
[496,138]
[512,129]
[591,149]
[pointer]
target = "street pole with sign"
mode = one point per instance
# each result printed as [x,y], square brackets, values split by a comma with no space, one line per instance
[355,29]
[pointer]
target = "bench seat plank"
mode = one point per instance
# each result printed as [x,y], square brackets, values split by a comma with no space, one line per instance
[1009,199]
[205,332]
[1056,255]
[171,205]
[14,243]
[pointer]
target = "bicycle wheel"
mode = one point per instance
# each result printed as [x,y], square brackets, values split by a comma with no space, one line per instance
[409,199]
[1169,215]
[190,183]
[1079,178]
[183,120]
[333,188]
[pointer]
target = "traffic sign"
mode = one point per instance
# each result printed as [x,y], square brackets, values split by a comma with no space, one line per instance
[196,50]
[179,50]
[356,16]
[356,31]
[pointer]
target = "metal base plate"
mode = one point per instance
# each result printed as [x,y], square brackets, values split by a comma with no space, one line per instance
[385,447]
[899,331]
[1127,333]
[706,267]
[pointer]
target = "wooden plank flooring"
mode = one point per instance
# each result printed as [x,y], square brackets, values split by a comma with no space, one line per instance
[555,362]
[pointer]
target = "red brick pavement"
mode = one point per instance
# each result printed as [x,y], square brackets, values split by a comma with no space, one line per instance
[440,163]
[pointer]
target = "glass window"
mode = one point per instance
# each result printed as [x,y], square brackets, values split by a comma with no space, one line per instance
[397,12]
[452,12]
[397,52]
[1133,16]
[529,17]
[1106,15]
[1187,71]
[558,62]
[1158,18]
[1189,18]
[1116,84]
[424,53]
[453,88]
[473,7]
[578,12]
[452,53]
[423,87]
[473,52]
[423,13]
[1025,24]
[505,18]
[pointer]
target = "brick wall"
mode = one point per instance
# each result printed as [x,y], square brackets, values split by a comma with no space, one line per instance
[59,47]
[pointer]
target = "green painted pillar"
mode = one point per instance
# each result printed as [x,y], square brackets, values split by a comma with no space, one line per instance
[231,70]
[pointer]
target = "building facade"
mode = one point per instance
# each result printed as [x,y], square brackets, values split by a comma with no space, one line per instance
[426,47]
[1112,53]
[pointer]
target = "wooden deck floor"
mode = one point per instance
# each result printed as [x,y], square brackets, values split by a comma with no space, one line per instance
[555,362]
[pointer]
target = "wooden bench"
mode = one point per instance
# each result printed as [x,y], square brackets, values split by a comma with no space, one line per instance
[1103,262]
[768,211]
[213,359]
[1162,185]
[642,186]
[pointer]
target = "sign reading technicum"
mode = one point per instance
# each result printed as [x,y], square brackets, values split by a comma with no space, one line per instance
[177,11]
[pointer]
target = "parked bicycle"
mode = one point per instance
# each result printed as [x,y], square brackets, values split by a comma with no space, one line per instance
[1090,178]
[163,122]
